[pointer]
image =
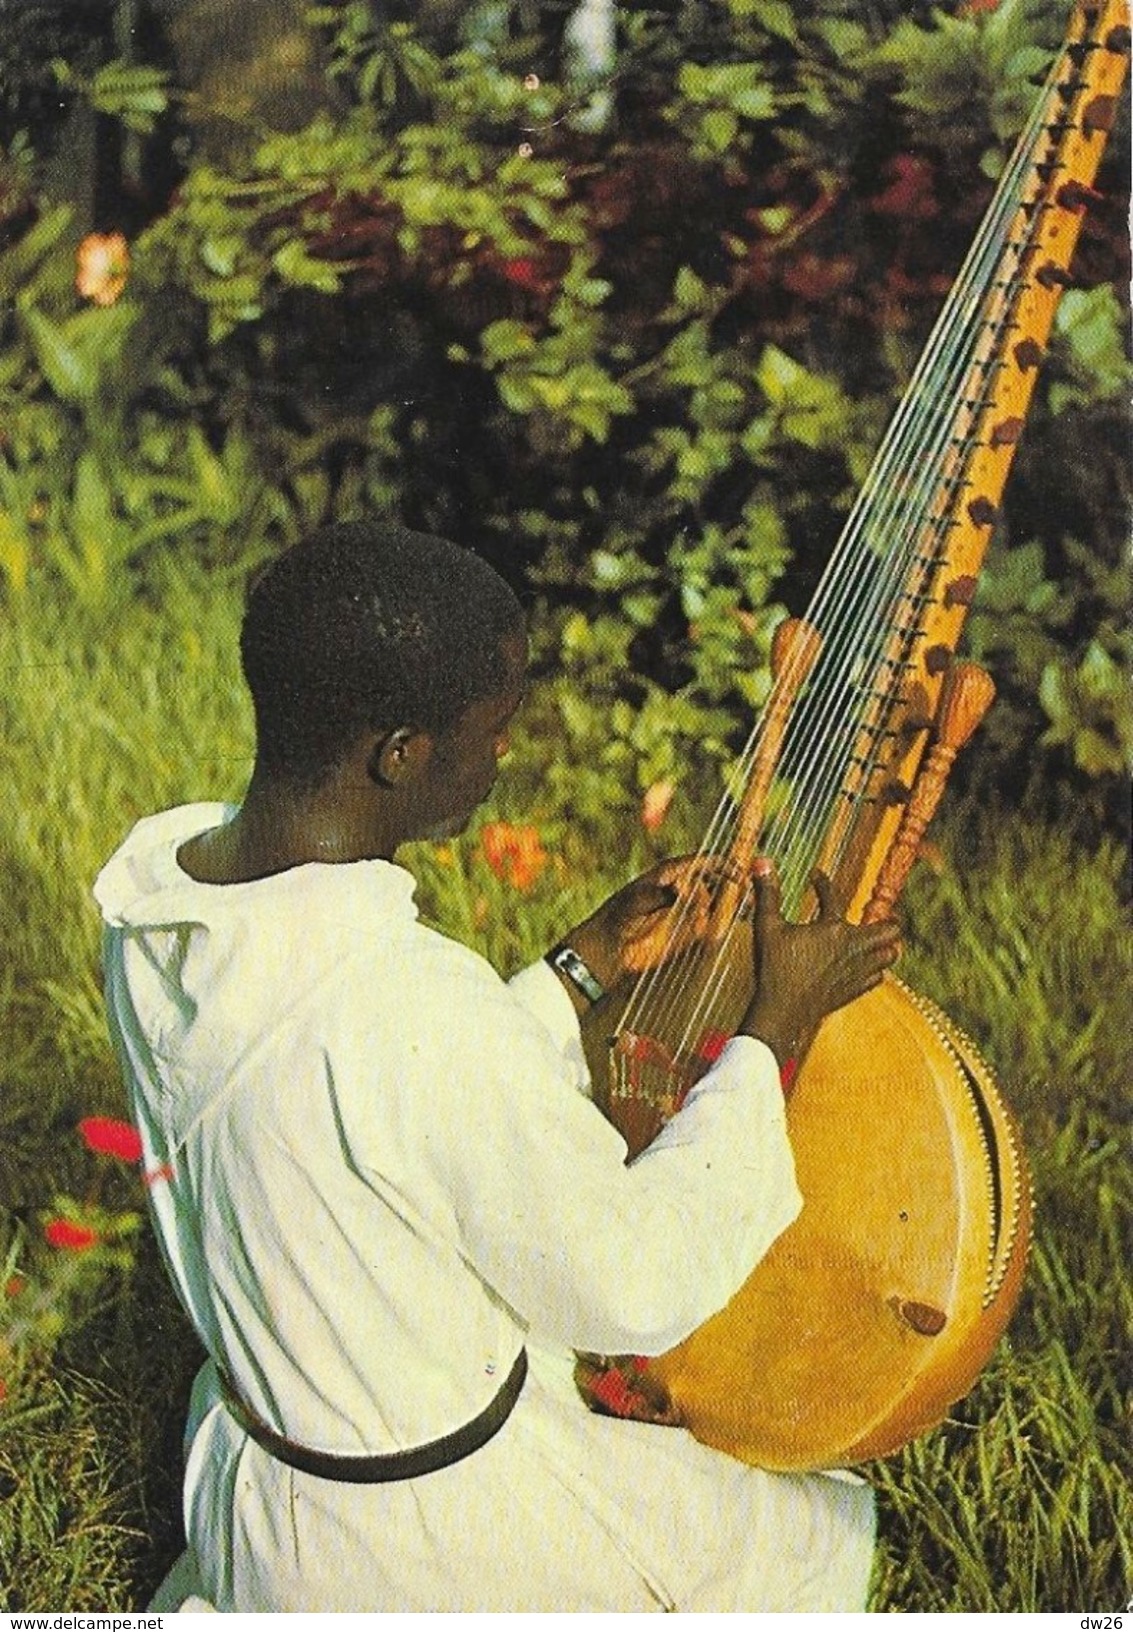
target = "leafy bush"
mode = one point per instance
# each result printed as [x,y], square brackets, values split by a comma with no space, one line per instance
[638,357]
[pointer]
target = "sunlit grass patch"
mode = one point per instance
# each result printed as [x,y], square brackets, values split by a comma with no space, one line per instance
[103,718]
[68,1520]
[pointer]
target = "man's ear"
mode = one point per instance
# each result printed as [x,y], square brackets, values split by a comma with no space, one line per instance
[399,756]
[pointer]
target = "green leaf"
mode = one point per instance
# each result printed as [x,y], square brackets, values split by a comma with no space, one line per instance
[296,267]
[1015,580]
[690,292]
[70,374]
[756,102]
[778,375]
[14,552]
[18,263]
[765,535]
[1090,711]
[588,291]
[516,393]
[211,478]
[776,16]
[1090,326]
[811,408]
[221,253]
[134,94]
[505,340]
[758,437]
[719,127]
[93,510]
[687,359]
[641,607]
[844,38]
[1098,674]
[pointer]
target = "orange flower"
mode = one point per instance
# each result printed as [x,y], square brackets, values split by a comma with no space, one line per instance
[514,853]
[14,1286]
[110,1137]
[102,265]
[655,805]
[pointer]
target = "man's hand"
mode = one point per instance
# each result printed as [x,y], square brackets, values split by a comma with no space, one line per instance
[664,911]
[805,971]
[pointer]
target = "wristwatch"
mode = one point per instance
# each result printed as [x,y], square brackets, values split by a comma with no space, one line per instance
[566,961]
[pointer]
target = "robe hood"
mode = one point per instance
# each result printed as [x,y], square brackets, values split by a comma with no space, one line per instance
[143,886]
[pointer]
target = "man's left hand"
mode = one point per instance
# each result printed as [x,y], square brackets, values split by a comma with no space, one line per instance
[663,912]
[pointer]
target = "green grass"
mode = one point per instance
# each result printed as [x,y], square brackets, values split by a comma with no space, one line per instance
[68,1455]
[1019,1502]
[101,720]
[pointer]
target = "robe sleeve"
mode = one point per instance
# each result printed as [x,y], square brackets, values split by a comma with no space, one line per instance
[541,993]
[587,1250]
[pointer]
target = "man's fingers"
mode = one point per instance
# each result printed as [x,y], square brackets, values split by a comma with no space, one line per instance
[652,897]
[833,897]
[862,972]
[824,889]
[766,888]
[885,934]
[871,948]
[685,875]
[872,958]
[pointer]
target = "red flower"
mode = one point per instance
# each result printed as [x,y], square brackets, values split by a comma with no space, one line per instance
[14,1286]
[110,1137]
[523,271]
[102,265]
[514,853]
[3,1391]
[60,1232]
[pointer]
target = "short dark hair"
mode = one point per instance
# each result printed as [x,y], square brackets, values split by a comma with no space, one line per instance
[369,626]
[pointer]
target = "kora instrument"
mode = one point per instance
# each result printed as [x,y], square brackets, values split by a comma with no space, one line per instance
[878,1307]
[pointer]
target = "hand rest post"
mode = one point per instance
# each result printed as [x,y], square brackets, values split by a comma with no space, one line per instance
[964,700]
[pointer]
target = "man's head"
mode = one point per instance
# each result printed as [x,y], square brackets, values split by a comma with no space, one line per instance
[369,633]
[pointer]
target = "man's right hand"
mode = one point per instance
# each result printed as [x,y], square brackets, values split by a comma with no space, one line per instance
[805,971]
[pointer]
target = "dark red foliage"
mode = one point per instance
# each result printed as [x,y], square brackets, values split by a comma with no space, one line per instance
[910,190]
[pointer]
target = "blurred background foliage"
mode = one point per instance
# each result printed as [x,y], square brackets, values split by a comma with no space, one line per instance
[622,299]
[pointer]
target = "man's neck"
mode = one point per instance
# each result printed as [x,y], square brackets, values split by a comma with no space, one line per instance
[277,828]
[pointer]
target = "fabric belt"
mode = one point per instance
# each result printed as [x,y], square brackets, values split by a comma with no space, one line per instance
[376,1470]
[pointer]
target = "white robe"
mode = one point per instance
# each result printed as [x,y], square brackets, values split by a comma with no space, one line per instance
[376,1173]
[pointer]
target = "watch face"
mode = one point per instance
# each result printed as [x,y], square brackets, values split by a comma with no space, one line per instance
[568,962]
